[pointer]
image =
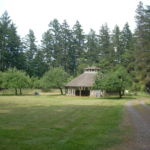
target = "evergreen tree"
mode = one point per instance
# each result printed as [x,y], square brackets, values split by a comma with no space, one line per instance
[11,52]
[5,23]
[128,57]
[48,47]
[40,65]
[104,41]
[30,50]
[14,48]
[142,46]
[68,51]
[56,35]
[79,44]
[126,37]
[116,46]
[105,48]
[92,48]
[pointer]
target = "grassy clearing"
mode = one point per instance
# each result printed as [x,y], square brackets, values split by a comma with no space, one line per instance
[29,91]
[61,122]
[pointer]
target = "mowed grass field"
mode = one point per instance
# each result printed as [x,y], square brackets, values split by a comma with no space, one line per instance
[54,122]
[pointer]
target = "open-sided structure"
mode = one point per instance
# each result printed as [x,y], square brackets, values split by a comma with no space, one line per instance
[81,86]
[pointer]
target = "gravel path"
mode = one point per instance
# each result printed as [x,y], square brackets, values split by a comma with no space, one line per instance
[139,114]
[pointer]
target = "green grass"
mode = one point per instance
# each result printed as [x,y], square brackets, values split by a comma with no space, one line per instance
[29,91]
[147,102]
[61,123]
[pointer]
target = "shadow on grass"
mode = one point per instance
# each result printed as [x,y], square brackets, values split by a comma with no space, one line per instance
[72,127]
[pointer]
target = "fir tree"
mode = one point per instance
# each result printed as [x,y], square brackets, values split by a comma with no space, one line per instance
[142,46]
[31,49]
[79,43]
[116,46]
[5,23]
[92,48]
[47,47]
[56,35]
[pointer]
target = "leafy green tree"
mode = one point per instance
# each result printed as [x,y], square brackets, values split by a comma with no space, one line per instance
[115,80]
[32,81]
[54,78]
[23,80]
[14,78]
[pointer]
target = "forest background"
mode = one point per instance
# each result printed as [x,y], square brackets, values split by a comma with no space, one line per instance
[73,50]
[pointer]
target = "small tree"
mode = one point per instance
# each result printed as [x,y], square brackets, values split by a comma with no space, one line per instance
[14,78]
[54,78]
[23,80]
[117,80]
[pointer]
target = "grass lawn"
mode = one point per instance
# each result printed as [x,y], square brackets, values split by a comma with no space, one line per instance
[30,91]
[48,122]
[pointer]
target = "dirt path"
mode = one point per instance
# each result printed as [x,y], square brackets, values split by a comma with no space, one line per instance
[139,114]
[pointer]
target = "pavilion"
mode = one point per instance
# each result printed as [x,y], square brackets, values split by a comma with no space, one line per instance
[81,86]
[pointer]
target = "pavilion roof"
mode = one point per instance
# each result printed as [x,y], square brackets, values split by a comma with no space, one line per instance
[84,80]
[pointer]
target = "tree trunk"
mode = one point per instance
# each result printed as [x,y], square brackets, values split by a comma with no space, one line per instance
[3,91]
[123,92]
[61,91]
[16,91]
[120,93]
[20,91]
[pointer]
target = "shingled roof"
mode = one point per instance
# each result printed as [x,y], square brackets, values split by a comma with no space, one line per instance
[84,80]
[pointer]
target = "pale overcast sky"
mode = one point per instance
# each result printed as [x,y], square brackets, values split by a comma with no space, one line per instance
[37,14]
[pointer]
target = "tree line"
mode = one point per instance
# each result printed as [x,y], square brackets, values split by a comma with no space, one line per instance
[74,50]
[18,79]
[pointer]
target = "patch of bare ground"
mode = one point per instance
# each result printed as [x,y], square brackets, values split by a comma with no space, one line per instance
[126,125]
[138,116]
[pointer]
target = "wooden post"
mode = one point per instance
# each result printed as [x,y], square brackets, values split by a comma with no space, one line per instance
[80,91]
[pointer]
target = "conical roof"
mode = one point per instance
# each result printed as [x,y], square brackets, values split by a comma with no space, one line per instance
[84,80]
